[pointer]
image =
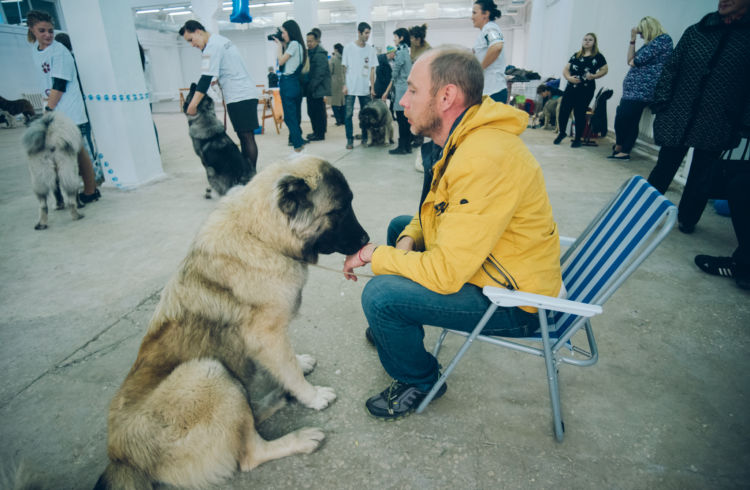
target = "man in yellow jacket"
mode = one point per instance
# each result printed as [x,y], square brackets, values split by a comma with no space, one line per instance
[485,220]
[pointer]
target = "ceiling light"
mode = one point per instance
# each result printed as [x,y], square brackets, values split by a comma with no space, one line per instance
[180,13]
[167,9]
[149,11]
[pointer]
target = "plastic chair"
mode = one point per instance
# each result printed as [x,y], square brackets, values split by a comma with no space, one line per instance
[594,266]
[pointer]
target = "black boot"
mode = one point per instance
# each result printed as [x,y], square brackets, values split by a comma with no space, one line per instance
[399,150]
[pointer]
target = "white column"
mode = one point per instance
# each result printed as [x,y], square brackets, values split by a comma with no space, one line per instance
[306,15]
[207,11]
[364,10]
[103,36]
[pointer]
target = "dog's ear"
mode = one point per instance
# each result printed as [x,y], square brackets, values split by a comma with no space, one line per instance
[292,192]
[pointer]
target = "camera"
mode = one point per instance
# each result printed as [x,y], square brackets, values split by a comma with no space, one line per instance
[275,35]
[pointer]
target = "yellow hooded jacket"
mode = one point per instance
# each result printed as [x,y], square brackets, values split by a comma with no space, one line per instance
[487,219]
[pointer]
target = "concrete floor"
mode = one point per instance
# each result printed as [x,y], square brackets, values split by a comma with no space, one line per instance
[665,407]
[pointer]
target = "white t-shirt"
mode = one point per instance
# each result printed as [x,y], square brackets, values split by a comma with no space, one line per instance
[56,62]
[358,62]
[222,59]
[294,50]
[494,75]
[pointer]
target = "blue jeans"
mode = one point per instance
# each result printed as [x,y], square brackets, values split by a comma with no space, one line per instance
[363,100]
[291,98]
[397,308]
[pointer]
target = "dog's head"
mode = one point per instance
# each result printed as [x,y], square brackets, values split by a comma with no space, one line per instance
[318,209]
[369,117]
[206,104]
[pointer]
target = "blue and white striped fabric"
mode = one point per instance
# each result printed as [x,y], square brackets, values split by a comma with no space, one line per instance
[613,246]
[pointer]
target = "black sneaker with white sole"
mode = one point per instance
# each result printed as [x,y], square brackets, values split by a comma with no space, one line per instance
[398,400]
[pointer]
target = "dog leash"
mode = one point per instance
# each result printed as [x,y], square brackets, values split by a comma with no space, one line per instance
[360,274]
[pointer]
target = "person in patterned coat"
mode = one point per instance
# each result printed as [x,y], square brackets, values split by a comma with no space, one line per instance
[702,102]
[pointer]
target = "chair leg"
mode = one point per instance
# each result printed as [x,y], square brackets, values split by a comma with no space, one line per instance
[477,330]
[439,343]
[554,389]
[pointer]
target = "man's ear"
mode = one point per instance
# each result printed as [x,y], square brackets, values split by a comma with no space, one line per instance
[448,96]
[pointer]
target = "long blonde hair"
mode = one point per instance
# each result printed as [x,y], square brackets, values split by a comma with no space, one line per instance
[650,28]
[594,48]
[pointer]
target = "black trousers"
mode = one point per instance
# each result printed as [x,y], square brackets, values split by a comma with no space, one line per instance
[576,98]
[404,131]
[627,120]
[699,180]
[316,110]
[739,207]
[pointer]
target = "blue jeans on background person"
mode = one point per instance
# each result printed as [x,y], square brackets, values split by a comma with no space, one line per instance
[348,125]
[291,99]
[397,308]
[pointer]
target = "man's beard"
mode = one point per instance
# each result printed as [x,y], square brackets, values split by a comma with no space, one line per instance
[432,125]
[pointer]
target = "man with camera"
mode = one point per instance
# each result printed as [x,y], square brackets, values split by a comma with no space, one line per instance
[221,59]
[359,61]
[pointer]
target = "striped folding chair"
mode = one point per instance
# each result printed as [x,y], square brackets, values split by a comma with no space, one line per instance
[594,266]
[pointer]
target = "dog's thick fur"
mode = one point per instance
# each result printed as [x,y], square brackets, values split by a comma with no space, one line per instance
[225,166]
[52,143]
[376,123]
[7,118]
[182,415]
[19,106]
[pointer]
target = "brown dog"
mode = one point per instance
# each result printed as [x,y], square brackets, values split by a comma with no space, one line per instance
[182,415]
[19,106]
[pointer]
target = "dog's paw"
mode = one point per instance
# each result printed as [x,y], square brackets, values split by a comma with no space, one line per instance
[306,363]
[309,439]
[40,226]
[324,396]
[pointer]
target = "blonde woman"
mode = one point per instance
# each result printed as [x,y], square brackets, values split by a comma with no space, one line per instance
[585,66]
[639,84]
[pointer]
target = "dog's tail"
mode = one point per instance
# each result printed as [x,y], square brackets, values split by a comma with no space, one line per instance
[35,138]
[119,476]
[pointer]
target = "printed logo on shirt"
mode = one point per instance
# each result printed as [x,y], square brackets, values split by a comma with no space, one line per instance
[45,67]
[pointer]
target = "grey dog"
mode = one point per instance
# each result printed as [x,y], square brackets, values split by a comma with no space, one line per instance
[376,123]
[52,143]
[225,166]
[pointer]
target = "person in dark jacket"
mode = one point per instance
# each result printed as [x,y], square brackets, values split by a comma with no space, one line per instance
[701,101]
[382,75]
[318,86]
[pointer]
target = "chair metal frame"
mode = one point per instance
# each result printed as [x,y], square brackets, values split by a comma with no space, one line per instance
[621,236]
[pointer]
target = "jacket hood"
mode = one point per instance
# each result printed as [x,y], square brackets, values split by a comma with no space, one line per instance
[489,114]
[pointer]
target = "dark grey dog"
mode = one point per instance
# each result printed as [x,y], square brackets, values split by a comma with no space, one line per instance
[225,166]
[376,123]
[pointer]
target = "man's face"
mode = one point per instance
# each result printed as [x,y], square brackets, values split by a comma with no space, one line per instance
[195,39]
[419,103]
[311,42]
[730,7]
[364,36]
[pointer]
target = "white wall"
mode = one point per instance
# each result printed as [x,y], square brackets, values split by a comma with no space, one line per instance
[18,73]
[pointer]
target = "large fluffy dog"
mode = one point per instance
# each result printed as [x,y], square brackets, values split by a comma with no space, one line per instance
[52,143]
[182,415]
[376,123]
[19,106]
[225,166]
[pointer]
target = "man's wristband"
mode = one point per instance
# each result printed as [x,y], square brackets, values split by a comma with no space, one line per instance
[48,109]
[632,42]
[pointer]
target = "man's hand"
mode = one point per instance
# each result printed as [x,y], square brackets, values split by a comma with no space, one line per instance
[359,259]
[343,89]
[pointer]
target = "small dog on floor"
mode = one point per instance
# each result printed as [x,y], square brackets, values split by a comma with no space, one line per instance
[19,106]
[376,123]
[8,118]
[52,143]
[225,166]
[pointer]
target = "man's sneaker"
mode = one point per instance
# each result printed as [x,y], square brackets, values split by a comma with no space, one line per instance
[349,144]
[559,138]
[398,400]
[87,198]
